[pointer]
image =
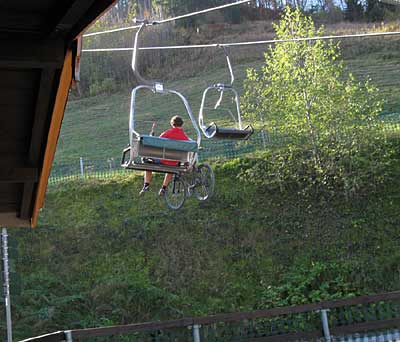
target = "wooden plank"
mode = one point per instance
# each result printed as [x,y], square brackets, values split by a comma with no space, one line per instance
[19,79]
[29,5]
[16,97]
[287,337]
[13,21]
[42,112]
[395,295]
[130,328]
[12,147]
[27,200]
[95,12]
[233,317]
[13,110]
[365,327]
[58,336]
[68,17]
[18,175]
[54,131]
[9,198]
[32,54]
[96,332]
[38,137]
[297,309]
[17,128]
[10,220]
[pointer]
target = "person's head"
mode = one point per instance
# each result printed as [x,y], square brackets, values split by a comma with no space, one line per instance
[176,121]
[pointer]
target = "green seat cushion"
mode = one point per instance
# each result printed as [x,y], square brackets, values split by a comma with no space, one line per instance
[179,145]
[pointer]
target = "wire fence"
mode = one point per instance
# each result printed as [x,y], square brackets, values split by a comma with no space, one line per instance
[87,168]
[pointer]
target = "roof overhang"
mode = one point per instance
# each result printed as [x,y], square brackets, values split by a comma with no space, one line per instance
[37,57]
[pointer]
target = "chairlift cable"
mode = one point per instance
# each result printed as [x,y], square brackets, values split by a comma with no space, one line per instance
[184,16]
[248,43]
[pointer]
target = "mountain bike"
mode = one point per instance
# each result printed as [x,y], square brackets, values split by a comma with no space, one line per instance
[199,180]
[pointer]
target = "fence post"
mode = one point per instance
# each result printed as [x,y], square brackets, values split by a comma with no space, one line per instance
[82,171]
[68,335]
[4,248]
[196,333]
[325,325]
[264,138]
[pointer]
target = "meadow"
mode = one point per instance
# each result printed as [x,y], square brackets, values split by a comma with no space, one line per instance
[96,127]
[102,255]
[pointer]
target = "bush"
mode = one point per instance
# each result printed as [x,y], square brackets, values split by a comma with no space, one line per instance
[106,86]
[336,141]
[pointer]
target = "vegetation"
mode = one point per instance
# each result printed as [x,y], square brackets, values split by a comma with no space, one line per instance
[335,140]
[103,256]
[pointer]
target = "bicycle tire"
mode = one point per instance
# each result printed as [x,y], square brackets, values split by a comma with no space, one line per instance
[175,194]
[205,182]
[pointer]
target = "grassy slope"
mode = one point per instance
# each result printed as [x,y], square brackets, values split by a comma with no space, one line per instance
[102,255]
[96,127]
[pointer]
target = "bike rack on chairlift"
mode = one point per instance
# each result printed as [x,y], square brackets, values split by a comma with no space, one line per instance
[212,130]
[143,147]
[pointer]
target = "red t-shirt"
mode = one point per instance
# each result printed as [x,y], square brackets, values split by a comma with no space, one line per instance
[174,133]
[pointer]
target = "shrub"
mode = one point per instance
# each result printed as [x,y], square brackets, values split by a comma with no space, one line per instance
[106,86]
[336,141]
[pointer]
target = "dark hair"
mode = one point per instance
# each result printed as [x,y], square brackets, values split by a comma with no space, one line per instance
[176,121]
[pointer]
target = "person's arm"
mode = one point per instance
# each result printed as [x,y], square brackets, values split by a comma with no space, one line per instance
[153,126]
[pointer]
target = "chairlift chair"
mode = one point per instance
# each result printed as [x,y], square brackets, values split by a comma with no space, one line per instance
[213,130]
[144,147]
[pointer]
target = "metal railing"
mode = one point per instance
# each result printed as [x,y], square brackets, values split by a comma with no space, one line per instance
[366,317]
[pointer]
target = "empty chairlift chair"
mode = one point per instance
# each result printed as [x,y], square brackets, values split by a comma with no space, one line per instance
[213,130]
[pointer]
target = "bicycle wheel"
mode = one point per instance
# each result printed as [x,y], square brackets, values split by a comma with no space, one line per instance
[175,195]
[205,180]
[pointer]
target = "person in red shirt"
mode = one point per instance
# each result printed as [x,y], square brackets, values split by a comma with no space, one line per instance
[175,133]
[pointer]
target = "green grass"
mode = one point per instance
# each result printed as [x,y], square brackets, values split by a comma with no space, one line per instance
[97,127]
[103,255]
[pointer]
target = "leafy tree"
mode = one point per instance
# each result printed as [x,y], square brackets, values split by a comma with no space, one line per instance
[304,94]
[354,10]
[377,10]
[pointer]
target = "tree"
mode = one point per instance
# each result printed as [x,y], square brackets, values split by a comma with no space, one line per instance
[354,10]
[304,93]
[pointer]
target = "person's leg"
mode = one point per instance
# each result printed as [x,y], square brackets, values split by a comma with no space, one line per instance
[147,177]
[147,180]
[167,180]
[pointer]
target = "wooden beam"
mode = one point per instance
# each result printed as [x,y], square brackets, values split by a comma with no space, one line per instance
[42,112]
[10,220]
[366,327]
[18,175]
[58,336]
[21,22]
[54,131]
[27,200]
[32,54]
[96,11]
[70,16]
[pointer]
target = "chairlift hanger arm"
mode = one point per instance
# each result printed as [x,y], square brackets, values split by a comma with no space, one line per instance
[223,86]
[135,55]
[228,62]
